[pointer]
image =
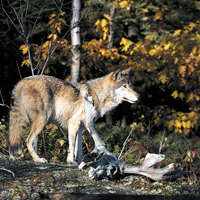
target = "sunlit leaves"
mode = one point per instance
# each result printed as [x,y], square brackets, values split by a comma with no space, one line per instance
[103,25]
[126,44]
[26,62]
[163,78]
[56,22]
[182,122]
[158,16]
[123,4]
[24,49]
[177,32]
[182,70]
[152,52]
[175,94]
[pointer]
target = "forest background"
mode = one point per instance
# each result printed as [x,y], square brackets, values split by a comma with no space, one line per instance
[159,40]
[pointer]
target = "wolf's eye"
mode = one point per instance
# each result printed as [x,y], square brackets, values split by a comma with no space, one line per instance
[125,86]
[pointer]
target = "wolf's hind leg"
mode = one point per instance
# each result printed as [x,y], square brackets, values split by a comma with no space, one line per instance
[37,127]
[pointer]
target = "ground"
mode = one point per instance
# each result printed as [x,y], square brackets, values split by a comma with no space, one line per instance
[62,181]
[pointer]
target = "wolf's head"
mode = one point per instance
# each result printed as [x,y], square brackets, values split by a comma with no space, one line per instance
[121,84]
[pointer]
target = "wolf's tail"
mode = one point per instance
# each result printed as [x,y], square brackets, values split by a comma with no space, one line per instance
[18,122]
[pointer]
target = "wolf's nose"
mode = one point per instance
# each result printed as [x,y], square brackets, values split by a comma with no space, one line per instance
[138,96]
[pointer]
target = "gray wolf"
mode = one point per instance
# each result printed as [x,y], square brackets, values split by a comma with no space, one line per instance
[38,100]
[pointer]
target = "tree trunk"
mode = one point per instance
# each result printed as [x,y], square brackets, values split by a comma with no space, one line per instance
[76,41]
[110,46]
[111,32]
[76,61]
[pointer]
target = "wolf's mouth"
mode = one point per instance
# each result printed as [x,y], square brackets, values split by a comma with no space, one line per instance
[126,99]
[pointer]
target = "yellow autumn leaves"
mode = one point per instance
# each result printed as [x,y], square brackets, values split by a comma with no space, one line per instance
[183,122]
[103,25]
[41,52]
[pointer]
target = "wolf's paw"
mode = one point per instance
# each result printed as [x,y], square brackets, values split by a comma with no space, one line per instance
[11,157]
[41,160]
[73,162]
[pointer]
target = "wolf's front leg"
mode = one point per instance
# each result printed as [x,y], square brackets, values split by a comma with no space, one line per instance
[75,139]
[78,153]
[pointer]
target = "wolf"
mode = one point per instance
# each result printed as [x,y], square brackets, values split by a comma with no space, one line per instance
[40,99]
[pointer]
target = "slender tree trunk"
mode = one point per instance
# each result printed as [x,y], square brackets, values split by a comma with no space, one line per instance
[76,41]
[111,32]
[110,46]
[76,61]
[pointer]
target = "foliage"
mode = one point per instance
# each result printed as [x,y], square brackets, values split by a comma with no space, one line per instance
[51,143]
[4,137]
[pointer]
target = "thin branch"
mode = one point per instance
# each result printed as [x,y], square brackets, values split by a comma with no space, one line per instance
[4,169]
[59,9]
[18,19]
[39,58]
[10,18]
[29,55]
[124,144]
[3,103]
[162,142]
[26,11]
[19,70]
[31,32]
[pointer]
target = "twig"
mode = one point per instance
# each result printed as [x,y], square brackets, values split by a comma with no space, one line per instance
[124,144]
[4,169]
[10,17]
[39,58]
[162,142]
[18,70]
[60,9]
[3,100]
[122,157]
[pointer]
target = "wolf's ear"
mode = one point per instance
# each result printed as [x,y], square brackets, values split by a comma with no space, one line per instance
[117,75]
[126,71]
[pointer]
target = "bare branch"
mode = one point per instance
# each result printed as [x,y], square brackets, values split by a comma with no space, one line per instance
[19,70]
[10,18]
[3,103]
[31,32]
[124,144]
[4,169]
[59,8]
[39,58]
[162,142]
